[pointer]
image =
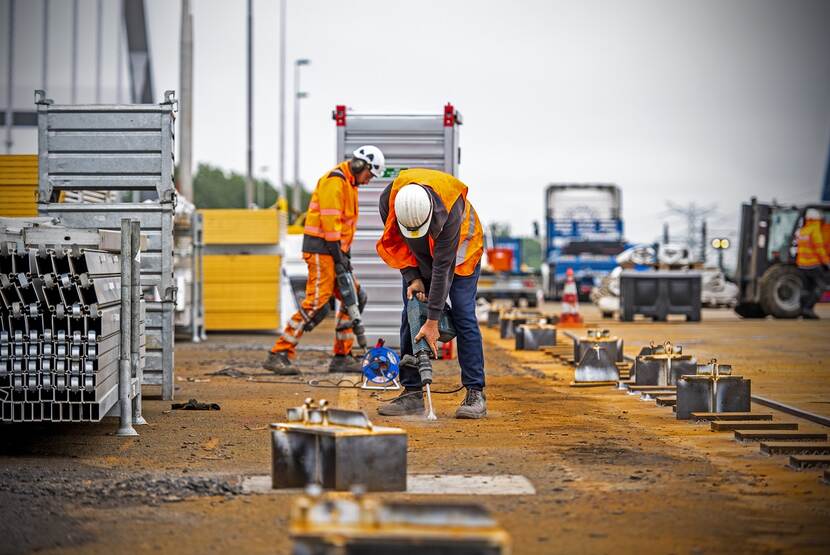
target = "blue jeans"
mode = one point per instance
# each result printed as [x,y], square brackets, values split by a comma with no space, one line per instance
[470,350]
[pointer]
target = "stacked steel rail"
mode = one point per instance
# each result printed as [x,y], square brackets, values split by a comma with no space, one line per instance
[127,149]
[61,315]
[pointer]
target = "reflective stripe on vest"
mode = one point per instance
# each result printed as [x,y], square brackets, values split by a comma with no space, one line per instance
[461,254]
[811,250]
[392,247]
[318,221]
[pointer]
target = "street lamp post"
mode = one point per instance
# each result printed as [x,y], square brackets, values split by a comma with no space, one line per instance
[281,184]
[260,188]
[296,200]
[249,178]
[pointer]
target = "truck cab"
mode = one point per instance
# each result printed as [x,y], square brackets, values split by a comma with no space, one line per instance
[584,231]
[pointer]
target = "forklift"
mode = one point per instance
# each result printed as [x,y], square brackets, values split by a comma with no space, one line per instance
[770,283]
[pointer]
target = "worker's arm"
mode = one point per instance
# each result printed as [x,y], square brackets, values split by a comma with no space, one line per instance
[443,266]
[330,198]
[409,274]
[443,258]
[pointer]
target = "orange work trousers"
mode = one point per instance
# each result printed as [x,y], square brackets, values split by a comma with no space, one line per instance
[321,285]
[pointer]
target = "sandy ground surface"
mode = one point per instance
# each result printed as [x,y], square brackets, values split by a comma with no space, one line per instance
[613,474]
[787,360]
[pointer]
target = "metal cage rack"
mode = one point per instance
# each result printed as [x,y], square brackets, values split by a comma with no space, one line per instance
[127,149]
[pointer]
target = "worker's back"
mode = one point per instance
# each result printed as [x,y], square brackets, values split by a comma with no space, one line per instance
[811,245]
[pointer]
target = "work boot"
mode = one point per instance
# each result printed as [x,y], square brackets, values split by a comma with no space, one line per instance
[809,314]
[410,401]
[345,363]
[278,363]
[408,361]
[474,405]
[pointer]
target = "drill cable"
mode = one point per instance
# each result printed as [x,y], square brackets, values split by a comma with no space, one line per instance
[314,382]
[325,383]
[419,392]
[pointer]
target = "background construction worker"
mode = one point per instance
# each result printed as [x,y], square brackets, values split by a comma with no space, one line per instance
[327,238]
[433,236]
[812,259]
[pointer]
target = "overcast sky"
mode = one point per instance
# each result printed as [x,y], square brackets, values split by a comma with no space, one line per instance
[706,101]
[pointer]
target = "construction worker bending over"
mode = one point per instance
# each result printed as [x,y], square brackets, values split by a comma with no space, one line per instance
[327,238]
[813,261]
[433,236]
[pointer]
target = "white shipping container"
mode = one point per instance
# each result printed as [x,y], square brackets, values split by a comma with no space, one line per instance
[407,141]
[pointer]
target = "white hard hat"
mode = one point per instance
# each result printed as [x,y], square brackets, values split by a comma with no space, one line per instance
[373,156]
[812,214]
[413,209]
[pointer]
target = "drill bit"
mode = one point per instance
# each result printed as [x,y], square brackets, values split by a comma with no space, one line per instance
[431,413]
[425,370]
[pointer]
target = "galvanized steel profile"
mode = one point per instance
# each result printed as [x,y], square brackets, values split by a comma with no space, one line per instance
[61,324]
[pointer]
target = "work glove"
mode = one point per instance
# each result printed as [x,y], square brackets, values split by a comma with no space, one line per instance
[343,266]
[408,362]
[340,258]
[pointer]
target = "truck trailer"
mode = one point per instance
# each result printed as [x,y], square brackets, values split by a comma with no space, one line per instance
[511,270]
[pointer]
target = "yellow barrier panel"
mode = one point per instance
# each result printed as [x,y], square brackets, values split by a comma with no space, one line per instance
[240,227]
[18,185]
[220,297]
[234,321]
[242,268]
[242,291]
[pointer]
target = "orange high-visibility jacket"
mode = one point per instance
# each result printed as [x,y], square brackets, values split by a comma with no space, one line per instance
[811,247]
[332,211]
[392,246]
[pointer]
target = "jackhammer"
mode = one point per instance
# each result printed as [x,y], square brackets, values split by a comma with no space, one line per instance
[353,301]
[416,314]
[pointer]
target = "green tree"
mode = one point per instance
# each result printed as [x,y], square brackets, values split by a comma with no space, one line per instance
[215,188]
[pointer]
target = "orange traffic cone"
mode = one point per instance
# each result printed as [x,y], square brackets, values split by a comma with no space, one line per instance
[570,303]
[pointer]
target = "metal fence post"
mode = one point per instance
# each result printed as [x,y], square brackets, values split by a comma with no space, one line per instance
[124,373]
[197,306]
[135,322]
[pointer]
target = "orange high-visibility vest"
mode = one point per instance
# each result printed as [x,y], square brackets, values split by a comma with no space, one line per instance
[810,246]
[392,246]
[332,211]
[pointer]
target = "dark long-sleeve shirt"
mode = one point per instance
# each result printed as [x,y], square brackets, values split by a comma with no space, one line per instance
[436,269]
